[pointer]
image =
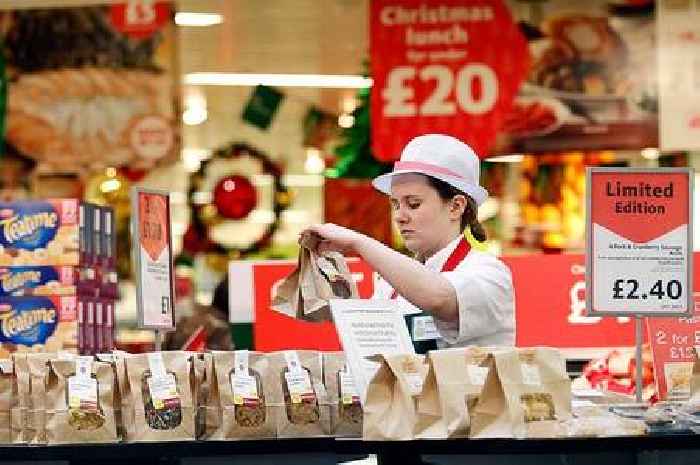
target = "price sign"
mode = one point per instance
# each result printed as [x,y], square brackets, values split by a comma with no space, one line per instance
[639,249]
[152,257]
[449,66]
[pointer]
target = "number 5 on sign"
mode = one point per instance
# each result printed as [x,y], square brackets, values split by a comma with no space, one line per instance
[400,97]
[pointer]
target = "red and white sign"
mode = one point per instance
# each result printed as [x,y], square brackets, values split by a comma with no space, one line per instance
[152,241]
[639,249]
[672,347]
[140,18]
[449,66]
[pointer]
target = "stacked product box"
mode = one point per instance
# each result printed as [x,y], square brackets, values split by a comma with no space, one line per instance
[100,289]
[49,276]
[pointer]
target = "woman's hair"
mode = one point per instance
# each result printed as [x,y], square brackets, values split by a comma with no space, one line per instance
[469,218]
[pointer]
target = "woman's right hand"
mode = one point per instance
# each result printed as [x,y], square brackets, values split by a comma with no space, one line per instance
[335,238]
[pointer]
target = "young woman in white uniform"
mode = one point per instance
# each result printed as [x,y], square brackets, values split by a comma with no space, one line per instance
[468,294]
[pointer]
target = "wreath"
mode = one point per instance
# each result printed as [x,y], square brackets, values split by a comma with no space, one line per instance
[233,198]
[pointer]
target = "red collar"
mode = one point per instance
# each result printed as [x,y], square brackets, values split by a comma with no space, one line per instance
[452,261]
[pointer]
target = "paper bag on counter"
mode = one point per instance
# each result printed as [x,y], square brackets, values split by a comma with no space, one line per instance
[243,390]
[158,397]
[303,409]
[80,402]
[8,399]
[343,397]
[460,378]
[305,293]
[402,404]
[527,393]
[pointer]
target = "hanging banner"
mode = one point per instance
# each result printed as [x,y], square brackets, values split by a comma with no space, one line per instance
[639,242]
[678,30]
[153,258]
[92,86]
[449,66]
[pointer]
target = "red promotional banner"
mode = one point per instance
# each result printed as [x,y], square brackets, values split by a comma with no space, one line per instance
[452,67]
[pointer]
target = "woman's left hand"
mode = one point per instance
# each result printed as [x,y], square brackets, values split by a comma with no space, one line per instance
[335,238]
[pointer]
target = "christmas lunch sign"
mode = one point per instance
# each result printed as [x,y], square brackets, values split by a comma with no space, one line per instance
[639,241]
[449,66]
[152,249]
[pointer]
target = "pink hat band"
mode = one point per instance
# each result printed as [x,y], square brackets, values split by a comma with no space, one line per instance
[427,168]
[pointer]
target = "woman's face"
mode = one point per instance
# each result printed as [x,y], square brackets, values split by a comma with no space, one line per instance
[427,223]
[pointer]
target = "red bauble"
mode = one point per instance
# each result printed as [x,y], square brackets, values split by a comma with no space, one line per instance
[235,197]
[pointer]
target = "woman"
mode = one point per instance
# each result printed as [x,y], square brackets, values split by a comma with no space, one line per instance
[452,296]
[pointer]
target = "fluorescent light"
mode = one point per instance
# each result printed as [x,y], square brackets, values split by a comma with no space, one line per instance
[513,158]
[184,18]
[339,81]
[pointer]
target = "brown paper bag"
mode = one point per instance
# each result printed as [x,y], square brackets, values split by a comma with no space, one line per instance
[80,402]
[38,377]
[460,378]
[527,393]
[8,399]
[303,407]
[244,389]
[305,293]
[402,404]
[116,362]
[158,397]
[19,413]
[343,398]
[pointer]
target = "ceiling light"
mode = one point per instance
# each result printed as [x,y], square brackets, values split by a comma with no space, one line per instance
[197,19]
[314,163]
[513,158]
[338,81]
[650,153]
[193,116]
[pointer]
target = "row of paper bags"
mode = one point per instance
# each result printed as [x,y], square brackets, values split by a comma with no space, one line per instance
[175,396]
[468,392]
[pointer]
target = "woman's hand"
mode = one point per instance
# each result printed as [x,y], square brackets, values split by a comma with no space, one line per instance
[335,238]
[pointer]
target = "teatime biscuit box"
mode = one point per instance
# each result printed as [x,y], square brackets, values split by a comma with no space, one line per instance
[38,324]
[40,233]
[18,281]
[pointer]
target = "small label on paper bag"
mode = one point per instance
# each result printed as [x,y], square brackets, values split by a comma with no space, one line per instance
[348,391]
[245,389]
[163,391]
[531,374]
[477,374]
[299,385]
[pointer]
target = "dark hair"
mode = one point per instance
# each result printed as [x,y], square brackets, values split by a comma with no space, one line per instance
[469,218]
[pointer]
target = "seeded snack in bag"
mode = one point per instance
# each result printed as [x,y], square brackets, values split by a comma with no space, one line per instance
[527,393]
[159,395]
[343,398]
[305,293]
[304,402]
[80,402]
[244,389]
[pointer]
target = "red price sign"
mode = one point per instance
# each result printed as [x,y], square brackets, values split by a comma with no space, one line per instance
[451,66]
[672,342]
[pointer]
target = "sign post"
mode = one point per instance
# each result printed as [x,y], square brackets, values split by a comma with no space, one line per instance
[153,261]
[639,245]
